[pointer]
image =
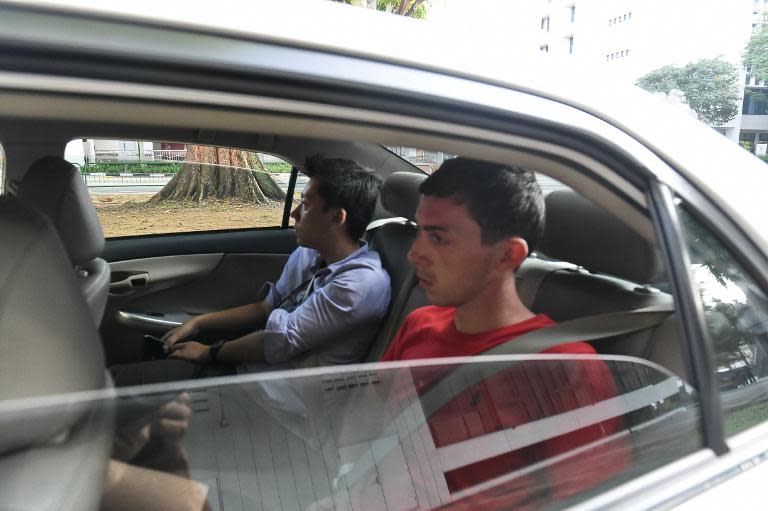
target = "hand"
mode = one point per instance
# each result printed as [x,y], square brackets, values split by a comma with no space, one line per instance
[168,422]
[186,330]
[190,350]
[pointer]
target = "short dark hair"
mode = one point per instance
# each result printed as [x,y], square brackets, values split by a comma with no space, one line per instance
[504,201]
[345,184]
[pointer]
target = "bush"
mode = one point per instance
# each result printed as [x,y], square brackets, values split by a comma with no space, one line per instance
[278,167]
[132,168]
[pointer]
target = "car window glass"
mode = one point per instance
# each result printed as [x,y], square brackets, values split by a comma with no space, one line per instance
[424,160]
[150,187]
[493,433]
[736,316]
[430,161]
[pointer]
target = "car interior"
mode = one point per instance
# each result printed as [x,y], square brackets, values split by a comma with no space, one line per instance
[599,254]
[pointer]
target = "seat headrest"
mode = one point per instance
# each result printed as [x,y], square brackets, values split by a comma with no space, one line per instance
[48,341]
[580,232]
[55,187]
[400,193]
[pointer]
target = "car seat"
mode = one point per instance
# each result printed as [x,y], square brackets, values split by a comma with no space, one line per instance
[599,265]
[56,188]
[392,240]
[53,451]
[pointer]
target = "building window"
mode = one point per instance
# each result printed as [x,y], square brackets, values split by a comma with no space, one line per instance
[570,44]
[545,23]
[755,104]
[573,13]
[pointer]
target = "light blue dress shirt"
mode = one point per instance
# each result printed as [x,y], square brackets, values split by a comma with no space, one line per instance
[334,320]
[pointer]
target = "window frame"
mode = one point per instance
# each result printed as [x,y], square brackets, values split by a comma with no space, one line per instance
[697,347]
[744,251]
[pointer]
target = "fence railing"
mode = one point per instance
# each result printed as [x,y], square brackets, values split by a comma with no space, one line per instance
[120,156]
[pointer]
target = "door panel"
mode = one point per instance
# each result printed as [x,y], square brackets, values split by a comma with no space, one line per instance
[261,241]
[152,293]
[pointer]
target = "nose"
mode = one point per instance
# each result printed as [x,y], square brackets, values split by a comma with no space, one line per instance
[416,253]
[296,213]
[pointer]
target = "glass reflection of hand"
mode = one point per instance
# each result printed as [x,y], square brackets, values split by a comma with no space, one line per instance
[157,439]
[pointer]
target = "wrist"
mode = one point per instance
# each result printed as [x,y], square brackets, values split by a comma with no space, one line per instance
[213,351]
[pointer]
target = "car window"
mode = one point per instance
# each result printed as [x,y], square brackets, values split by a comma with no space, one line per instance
[736,315]
[429,161]
[493,432]
[149,187]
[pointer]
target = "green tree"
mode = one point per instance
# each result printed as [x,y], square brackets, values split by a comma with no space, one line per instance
[710,87]
[409,8]
[756,54]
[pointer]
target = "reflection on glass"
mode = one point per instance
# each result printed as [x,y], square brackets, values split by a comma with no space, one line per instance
[505,432]
[736,314]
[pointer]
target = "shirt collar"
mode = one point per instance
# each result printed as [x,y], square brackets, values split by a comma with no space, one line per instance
[331,268]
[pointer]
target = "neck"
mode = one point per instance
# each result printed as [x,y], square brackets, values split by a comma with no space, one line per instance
[495,307]
[338,249]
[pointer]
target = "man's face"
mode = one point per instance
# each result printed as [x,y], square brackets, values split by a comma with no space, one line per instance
[313,220]
[452,264]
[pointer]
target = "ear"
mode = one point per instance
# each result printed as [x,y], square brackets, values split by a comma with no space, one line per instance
[340,216]
[514,252]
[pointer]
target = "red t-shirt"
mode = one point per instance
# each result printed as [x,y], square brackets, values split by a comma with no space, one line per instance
[526,392]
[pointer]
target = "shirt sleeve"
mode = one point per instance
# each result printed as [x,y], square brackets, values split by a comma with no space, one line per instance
[277,291]
[352,298]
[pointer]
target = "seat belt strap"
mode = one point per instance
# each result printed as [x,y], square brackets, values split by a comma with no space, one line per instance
[598,326]
[588,328]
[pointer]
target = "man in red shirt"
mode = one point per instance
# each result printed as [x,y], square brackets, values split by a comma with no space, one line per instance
[477,222]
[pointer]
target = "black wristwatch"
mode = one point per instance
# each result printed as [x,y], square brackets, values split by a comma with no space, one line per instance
[213,351]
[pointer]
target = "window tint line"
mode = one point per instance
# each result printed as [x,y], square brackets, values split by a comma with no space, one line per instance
[289,197]
[696,344]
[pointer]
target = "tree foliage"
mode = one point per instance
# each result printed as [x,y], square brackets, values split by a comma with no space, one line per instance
[756,54]
[221,173]
[710,87]
[409,8]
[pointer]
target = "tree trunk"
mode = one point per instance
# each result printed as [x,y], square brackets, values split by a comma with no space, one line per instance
[220,173]
[415,5]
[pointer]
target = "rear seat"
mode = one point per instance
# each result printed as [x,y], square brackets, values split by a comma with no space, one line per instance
[392,240]
[607,271]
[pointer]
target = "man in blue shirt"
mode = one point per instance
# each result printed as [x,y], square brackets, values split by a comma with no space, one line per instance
[325,308]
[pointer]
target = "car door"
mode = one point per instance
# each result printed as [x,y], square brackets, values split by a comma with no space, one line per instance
[174,258]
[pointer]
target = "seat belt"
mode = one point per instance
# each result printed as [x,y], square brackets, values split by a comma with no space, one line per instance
[589,328]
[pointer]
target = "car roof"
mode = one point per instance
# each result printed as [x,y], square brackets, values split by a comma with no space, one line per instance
[729,176]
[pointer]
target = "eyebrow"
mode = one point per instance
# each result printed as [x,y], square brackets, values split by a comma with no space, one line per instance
[433,228]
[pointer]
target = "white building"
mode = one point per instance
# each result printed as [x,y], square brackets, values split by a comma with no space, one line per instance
[625,39]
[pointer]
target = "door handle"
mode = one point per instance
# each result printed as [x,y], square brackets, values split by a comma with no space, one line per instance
[133,281]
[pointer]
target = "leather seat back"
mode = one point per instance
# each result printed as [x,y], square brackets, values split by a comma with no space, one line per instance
[54,186]
[608,268]
[400,196]
[53,452]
